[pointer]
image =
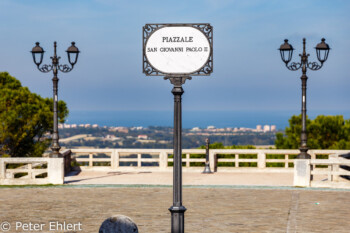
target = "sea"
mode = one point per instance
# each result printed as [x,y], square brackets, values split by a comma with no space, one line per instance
[190,119]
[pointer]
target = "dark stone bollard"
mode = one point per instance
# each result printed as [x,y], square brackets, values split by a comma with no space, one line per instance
[118,224]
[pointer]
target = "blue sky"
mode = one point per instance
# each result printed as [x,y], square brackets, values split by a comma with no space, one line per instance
[248,72]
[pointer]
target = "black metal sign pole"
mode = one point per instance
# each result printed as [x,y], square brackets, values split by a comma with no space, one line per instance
[177,210]
[177,70]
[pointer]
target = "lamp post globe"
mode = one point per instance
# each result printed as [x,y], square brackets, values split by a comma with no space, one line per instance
[38,54]
[286,51]
[72,53]
[322,50]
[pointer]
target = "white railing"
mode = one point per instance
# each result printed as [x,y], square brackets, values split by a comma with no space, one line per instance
[27,171]
[331,172]
[159,159]
[15,171]
[130,159]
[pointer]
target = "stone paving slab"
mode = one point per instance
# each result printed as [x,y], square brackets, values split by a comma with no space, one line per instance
[209,210]
[189,178]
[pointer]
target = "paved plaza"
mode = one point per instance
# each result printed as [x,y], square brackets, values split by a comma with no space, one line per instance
[189,178]
[210,208]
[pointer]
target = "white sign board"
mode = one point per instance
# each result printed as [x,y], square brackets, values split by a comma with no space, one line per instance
[177,49]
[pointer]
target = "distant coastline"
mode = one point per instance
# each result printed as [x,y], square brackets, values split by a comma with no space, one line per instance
[202,119]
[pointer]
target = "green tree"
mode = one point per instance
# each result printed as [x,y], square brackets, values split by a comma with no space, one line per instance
[324,132]
[25,119]
[215,145]
[219,145]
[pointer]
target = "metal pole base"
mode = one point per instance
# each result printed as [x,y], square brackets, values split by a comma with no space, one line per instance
[55,150]
[207,169]
[177,219]
[303,153]
[55,155]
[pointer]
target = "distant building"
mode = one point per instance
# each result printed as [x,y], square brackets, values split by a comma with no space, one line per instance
[119,129]
[146,141]
[195,129]
[60,126]
[87,125]
[273,128]
[258,128]
[122,129]
[111,137]
[267,128]
[142,136]
[73,125]
[95,126]
[82,125]
[211,127]
[244,129]
[164,142]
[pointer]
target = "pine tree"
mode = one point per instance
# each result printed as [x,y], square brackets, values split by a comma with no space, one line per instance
[25,119]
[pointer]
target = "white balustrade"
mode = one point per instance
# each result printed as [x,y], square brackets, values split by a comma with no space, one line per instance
[27,171]
[158,159]
[329,172]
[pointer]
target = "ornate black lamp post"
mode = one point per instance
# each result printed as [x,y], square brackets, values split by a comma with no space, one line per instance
[286,50]
[38,54]
[207,167]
